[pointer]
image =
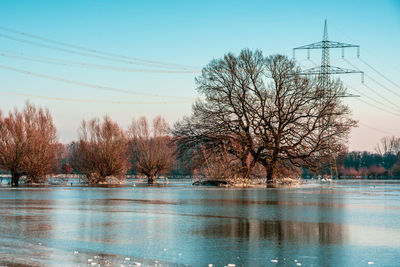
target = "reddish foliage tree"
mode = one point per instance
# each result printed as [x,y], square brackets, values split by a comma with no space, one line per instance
[28,143]
[67,168]
[101,151]
[150,147]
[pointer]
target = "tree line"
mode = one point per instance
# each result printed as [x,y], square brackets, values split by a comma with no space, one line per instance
[384,162]
[257,117]
[29,147]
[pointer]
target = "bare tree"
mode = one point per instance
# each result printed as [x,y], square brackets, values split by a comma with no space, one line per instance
[388,145]
[101,151]
[28,143]
[263,104]
[150,147]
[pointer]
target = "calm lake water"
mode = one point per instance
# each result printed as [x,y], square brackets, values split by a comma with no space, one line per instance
[343,223]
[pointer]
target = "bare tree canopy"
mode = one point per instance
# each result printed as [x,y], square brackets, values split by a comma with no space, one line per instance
[388,145]
[101,151]
[265,110]
[150,147]
[28,143]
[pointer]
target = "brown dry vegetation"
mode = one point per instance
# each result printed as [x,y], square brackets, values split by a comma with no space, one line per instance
[150,147]
[28,143]
[101,151]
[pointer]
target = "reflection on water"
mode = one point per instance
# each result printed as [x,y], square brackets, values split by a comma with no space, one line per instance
[278,231]
[339,224]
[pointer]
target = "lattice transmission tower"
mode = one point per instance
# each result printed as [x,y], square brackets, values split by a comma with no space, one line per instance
[325,70]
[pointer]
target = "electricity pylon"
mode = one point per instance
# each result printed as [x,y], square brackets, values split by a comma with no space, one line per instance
[325,70]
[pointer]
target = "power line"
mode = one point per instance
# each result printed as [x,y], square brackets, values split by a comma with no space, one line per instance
[384,98]
[377,107]
[100,87]
[351,39]
[78,100]
[383,76]
[49,60]
[380,84]
[160,63]
[372,99]
[81,53]
[376,129]
[383,86]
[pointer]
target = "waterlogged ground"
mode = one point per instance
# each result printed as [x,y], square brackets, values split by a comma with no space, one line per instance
[347,223]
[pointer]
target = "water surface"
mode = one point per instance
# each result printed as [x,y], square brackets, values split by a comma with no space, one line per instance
[343,223]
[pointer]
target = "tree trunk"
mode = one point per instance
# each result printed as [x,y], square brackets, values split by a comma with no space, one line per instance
[151,179]
[246,169]
[271,172]
[15,178]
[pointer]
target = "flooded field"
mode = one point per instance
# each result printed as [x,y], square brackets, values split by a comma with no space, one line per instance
[343,223]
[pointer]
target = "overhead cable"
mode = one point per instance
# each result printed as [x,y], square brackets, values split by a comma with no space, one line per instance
[66,50]
[380,73]
[48,60]
[95,86]
[380,84]
[95,51]
[78,100]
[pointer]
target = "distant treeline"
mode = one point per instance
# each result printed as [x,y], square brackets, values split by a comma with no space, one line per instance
[383,163]
[367,164]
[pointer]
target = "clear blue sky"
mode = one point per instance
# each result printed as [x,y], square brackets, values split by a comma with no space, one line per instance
[191,33]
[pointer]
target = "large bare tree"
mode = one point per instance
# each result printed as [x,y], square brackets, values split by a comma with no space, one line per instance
[101,151]
[150,147]
[277,116]
[28,143]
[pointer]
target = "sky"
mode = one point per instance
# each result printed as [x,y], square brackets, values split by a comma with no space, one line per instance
[173,40]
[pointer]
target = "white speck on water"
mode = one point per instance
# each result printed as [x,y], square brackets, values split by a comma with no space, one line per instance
[371,262]
[298,264]
[76,252]
[179,254]
[274,260]
[137,263]
[127,259]
[231,265]
[96,257]
[210,265]
[40,244]
[90,260]
[165,249]
[93,263]
[295,260]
